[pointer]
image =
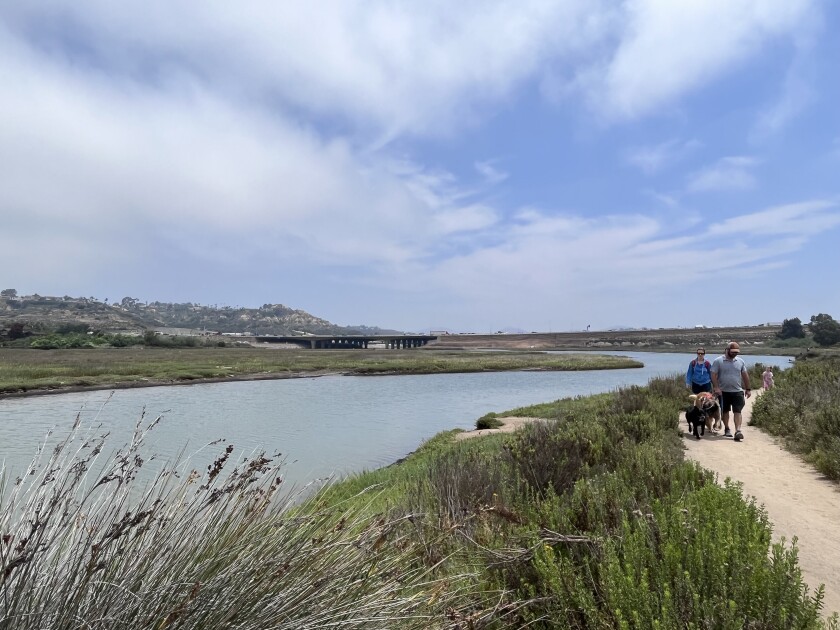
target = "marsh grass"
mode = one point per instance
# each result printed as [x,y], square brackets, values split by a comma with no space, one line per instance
[26,370]
[82,547]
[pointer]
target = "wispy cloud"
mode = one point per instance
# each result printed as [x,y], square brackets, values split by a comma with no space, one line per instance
[490,173]
[671,48]
[728,173]
[654,158]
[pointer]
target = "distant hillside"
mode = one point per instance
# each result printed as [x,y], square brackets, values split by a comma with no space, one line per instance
[38,312]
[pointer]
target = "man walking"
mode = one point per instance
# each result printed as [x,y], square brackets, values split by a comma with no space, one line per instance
[731,382]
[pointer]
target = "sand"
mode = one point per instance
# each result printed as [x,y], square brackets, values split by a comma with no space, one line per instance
[799,500]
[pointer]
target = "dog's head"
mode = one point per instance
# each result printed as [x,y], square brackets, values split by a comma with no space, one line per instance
[695,415]
[704,401]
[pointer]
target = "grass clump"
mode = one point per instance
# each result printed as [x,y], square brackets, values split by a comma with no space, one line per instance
[804,409]
[87,545]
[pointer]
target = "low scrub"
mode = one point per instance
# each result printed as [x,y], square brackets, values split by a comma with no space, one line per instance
[589,519]
[804,409]
[593,520]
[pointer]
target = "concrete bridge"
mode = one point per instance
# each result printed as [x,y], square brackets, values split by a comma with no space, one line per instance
[318,342]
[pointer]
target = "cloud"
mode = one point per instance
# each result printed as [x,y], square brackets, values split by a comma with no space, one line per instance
[669,49]
[382,68]
[796,94]
[652,159]
[490,173]
[795,220]
[729,173]
[548,258]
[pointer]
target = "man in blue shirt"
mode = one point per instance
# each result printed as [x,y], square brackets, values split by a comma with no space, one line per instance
[732,383]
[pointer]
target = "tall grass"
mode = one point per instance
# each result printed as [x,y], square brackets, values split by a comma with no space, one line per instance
[82,547]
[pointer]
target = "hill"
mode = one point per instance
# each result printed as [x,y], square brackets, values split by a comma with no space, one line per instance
[41,313]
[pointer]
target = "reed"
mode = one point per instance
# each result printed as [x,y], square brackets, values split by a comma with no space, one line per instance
[93,543]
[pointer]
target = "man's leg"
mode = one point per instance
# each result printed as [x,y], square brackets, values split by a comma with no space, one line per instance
[737,417]
[725,417]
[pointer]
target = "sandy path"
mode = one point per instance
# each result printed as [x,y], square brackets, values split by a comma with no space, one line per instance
[799,500]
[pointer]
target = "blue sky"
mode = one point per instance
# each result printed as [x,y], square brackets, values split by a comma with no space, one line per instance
[427,165]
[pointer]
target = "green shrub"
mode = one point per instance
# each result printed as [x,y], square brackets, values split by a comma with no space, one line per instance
[488,421]
[804,409]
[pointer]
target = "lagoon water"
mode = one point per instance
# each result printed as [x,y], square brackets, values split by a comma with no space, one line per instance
[322,426]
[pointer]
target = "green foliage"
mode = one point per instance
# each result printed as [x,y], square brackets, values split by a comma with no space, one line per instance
[488,421]
[76,340]
[791,328]
[825,329]
[592,520]
[66,329]
[804,408]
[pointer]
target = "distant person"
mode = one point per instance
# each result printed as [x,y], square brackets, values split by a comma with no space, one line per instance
[767,377]
[732,383]
[698,377]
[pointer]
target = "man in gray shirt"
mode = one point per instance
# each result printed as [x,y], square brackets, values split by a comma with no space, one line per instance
[731,382]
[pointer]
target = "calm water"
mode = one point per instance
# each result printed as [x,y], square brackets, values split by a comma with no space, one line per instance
[326,425]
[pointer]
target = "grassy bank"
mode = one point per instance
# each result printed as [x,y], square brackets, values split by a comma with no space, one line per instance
[590,519]
[23,370]
[593,520]
[804,409]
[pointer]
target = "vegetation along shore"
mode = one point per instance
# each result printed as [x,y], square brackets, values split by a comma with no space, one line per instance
[590,518]
[28,371]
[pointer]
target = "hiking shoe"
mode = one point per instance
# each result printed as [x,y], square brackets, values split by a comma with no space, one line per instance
[727,433]
[738,436]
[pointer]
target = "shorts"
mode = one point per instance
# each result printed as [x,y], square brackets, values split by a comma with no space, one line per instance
[696,388]
[732,400]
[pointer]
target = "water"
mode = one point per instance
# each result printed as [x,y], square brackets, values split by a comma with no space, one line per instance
[323,426]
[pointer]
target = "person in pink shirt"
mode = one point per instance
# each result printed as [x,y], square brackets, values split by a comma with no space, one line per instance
[767,375]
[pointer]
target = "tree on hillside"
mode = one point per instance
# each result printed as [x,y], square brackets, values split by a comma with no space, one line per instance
[8,293]
[826,331]
[791,328]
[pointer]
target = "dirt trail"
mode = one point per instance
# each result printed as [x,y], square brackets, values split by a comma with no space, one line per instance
[799,500]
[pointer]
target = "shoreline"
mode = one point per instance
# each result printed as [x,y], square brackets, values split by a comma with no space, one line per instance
[71,389]
[272,376]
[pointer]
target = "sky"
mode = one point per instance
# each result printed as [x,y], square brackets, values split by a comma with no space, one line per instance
[471,167]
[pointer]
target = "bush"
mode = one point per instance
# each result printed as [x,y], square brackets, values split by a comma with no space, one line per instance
[488,421]
[804,408]
[826,331]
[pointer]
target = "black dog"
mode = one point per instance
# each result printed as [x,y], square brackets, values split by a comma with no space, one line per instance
[696,421]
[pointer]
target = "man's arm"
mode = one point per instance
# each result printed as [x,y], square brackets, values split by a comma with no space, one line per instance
[745,381]
[714,374]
